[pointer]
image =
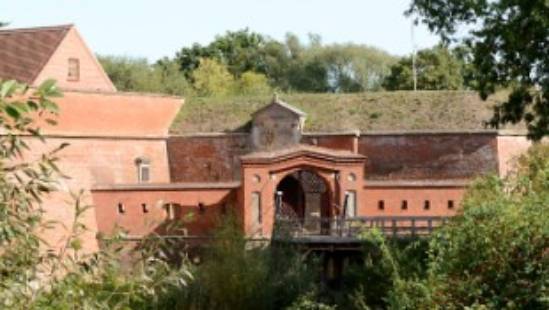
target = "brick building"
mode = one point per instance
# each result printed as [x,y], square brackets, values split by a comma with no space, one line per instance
[139,177]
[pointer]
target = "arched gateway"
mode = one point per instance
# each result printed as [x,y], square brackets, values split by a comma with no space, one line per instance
[303,185]
[303,201]
[287,181]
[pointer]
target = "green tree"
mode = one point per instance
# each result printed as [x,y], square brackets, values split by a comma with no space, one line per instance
[238,274]
[172,81]
[309,75]
[212,78]
[509,40]
[240,51]
[23,184]
[251,83]
[129,74]
[353,67]
[291,64]
[494,254]
[137,75]
[437,69]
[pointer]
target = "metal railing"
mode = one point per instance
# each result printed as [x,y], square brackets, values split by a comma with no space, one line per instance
[391,226]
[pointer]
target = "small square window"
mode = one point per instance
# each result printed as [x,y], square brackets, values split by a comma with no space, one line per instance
[404,205]
[74,69]
[450,204]
[145,208]
[381,205]
[426,205]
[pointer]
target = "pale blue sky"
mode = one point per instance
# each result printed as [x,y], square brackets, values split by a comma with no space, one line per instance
[157,28]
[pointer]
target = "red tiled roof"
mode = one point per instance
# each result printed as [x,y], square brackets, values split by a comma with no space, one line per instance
[24,52]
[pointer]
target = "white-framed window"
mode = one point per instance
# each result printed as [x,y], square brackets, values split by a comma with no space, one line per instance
[351,207]
[73,73]
[143,169]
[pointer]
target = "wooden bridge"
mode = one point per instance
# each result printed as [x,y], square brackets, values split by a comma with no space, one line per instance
[331,234]
[348,233]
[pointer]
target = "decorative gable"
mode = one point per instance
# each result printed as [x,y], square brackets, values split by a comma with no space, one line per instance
[75,67]
[276,125]
[33,55]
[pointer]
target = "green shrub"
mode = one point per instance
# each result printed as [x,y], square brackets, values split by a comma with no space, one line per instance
[32,277]
[237,274]
[494,255]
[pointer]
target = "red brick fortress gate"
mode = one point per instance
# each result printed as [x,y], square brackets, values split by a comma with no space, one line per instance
[329,175]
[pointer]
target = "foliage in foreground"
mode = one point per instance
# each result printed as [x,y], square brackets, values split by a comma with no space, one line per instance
[59,278]
[238,274]
[494,255]
[508,40]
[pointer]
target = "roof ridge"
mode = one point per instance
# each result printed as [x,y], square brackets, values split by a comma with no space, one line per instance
[280,103]
[35,29]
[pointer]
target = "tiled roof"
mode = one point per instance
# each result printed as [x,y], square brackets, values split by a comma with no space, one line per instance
[24,52]
[284,105]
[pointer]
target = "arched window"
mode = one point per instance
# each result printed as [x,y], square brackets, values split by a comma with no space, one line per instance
[143,169]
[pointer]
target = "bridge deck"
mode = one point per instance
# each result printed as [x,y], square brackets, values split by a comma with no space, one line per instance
[351,229]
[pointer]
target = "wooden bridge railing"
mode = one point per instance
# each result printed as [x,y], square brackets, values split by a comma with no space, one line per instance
[391,226]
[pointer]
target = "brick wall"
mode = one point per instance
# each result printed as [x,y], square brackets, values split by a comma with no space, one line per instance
[509,149]
[216,204]
[392,197]
[206,158]
[331,141]
[429,155]
[397,156]
[91,161]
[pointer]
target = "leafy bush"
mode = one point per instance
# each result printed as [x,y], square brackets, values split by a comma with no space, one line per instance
[212,78]
[237,274]
[494,255]
[251,83]
[136,74]
[34,278]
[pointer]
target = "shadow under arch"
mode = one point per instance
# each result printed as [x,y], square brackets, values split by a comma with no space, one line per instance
[305,201]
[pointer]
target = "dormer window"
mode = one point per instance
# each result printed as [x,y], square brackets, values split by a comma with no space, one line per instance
[143,169]
[74,70]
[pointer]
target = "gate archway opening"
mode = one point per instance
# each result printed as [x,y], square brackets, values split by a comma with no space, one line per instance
[305,201]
